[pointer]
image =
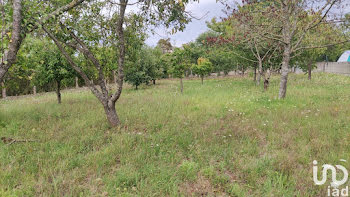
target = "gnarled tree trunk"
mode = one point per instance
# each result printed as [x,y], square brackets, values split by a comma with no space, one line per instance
[111,113]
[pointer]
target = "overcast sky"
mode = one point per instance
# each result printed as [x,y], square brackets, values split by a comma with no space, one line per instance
[197,27]
[194,28]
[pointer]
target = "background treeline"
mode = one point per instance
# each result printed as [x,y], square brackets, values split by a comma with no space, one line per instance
[40,66]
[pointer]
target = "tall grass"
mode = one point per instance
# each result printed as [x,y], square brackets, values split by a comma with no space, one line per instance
[226,137]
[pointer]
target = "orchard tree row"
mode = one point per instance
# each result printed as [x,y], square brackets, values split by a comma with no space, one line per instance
[40,66]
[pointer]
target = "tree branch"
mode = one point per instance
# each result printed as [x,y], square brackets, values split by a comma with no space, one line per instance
[87,53]
[9,56]
[57,12]
[310,26]
[88,82]
[120,33]
[321,46]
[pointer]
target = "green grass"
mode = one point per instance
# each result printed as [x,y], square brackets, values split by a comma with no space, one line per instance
[226,137]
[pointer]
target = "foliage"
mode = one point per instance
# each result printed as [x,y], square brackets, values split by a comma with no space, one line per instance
[202,39]
[165,45]
[39,63]
[136,75]
[202,68]
[192,51]
[249,49]
[50,66]
[224,58]
[145,68]
[179,63]
[333,53]
[306,59]
[19,19]
[165,62]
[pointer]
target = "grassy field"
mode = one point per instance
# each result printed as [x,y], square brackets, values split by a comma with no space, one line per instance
[224,138]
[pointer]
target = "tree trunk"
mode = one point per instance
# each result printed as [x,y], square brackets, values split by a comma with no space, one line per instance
[181,86]
[34,90]
[58,91]
[267,81]
[9,56]
[260,70]
[154,82]
[114,77]
[309,70]
[255,73]
[76,82]
[111,114]
[3,90]
[202,78]
[285,71]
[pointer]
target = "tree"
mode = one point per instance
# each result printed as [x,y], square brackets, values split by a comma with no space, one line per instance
[136,75]
[306,59]
[153,64]
[143,69]
[202,68]
[288,22]
[165,64]
[50,66]
[82,31]
[192,51]
[202,38]
[40,65]
[21,18]
[165,45]
[234,31]
[240,51]
[179,66]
